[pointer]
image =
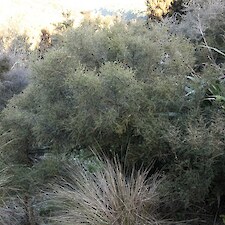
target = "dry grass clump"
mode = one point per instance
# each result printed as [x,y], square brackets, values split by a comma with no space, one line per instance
[106,197]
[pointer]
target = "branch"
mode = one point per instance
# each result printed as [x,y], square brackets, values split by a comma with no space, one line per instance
[215,49]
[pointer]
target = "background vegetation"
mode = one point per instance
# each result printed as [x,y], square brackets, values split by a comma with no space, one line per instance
[120,124]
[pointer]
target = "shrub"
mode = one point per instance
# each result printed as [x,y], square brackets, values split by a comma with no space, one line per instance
[123,91]
[146,51]
[102,106]
[13,78]
[5,64]
[203,22]
[12,82]
[20,194]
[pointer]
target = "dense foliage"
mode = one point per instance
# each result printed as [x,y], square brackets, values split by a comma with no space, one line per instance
[143,94]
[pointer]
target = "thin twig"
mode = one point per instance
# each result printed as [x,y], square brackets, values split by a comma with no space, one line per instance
[215,49]
[205,41]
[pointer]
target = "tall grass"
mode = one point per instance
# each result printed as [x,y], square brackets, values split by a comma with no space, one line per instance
[106,197]
[7,213]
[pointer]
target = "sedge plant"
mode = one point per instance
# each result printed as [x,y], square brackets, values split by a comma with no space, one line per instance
[105,197]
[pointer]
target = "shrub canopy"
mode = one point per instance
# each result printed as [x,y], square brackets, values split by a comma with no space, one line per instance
[130,91]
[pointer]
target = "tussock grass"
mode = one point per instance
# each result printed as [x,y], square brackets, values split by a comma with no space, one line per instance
[106,197]
[7,212]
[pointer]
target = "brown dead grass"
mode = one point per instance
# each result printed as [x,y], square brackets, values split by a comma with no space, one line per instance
[107,197]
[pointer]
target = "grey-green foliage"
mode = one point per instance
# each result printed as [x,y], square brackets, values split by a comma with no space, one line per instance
[5,64]
[197,152]
[199,16]
[203,22]
[144,50]
[120,90]
[12,80]
[103,81]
